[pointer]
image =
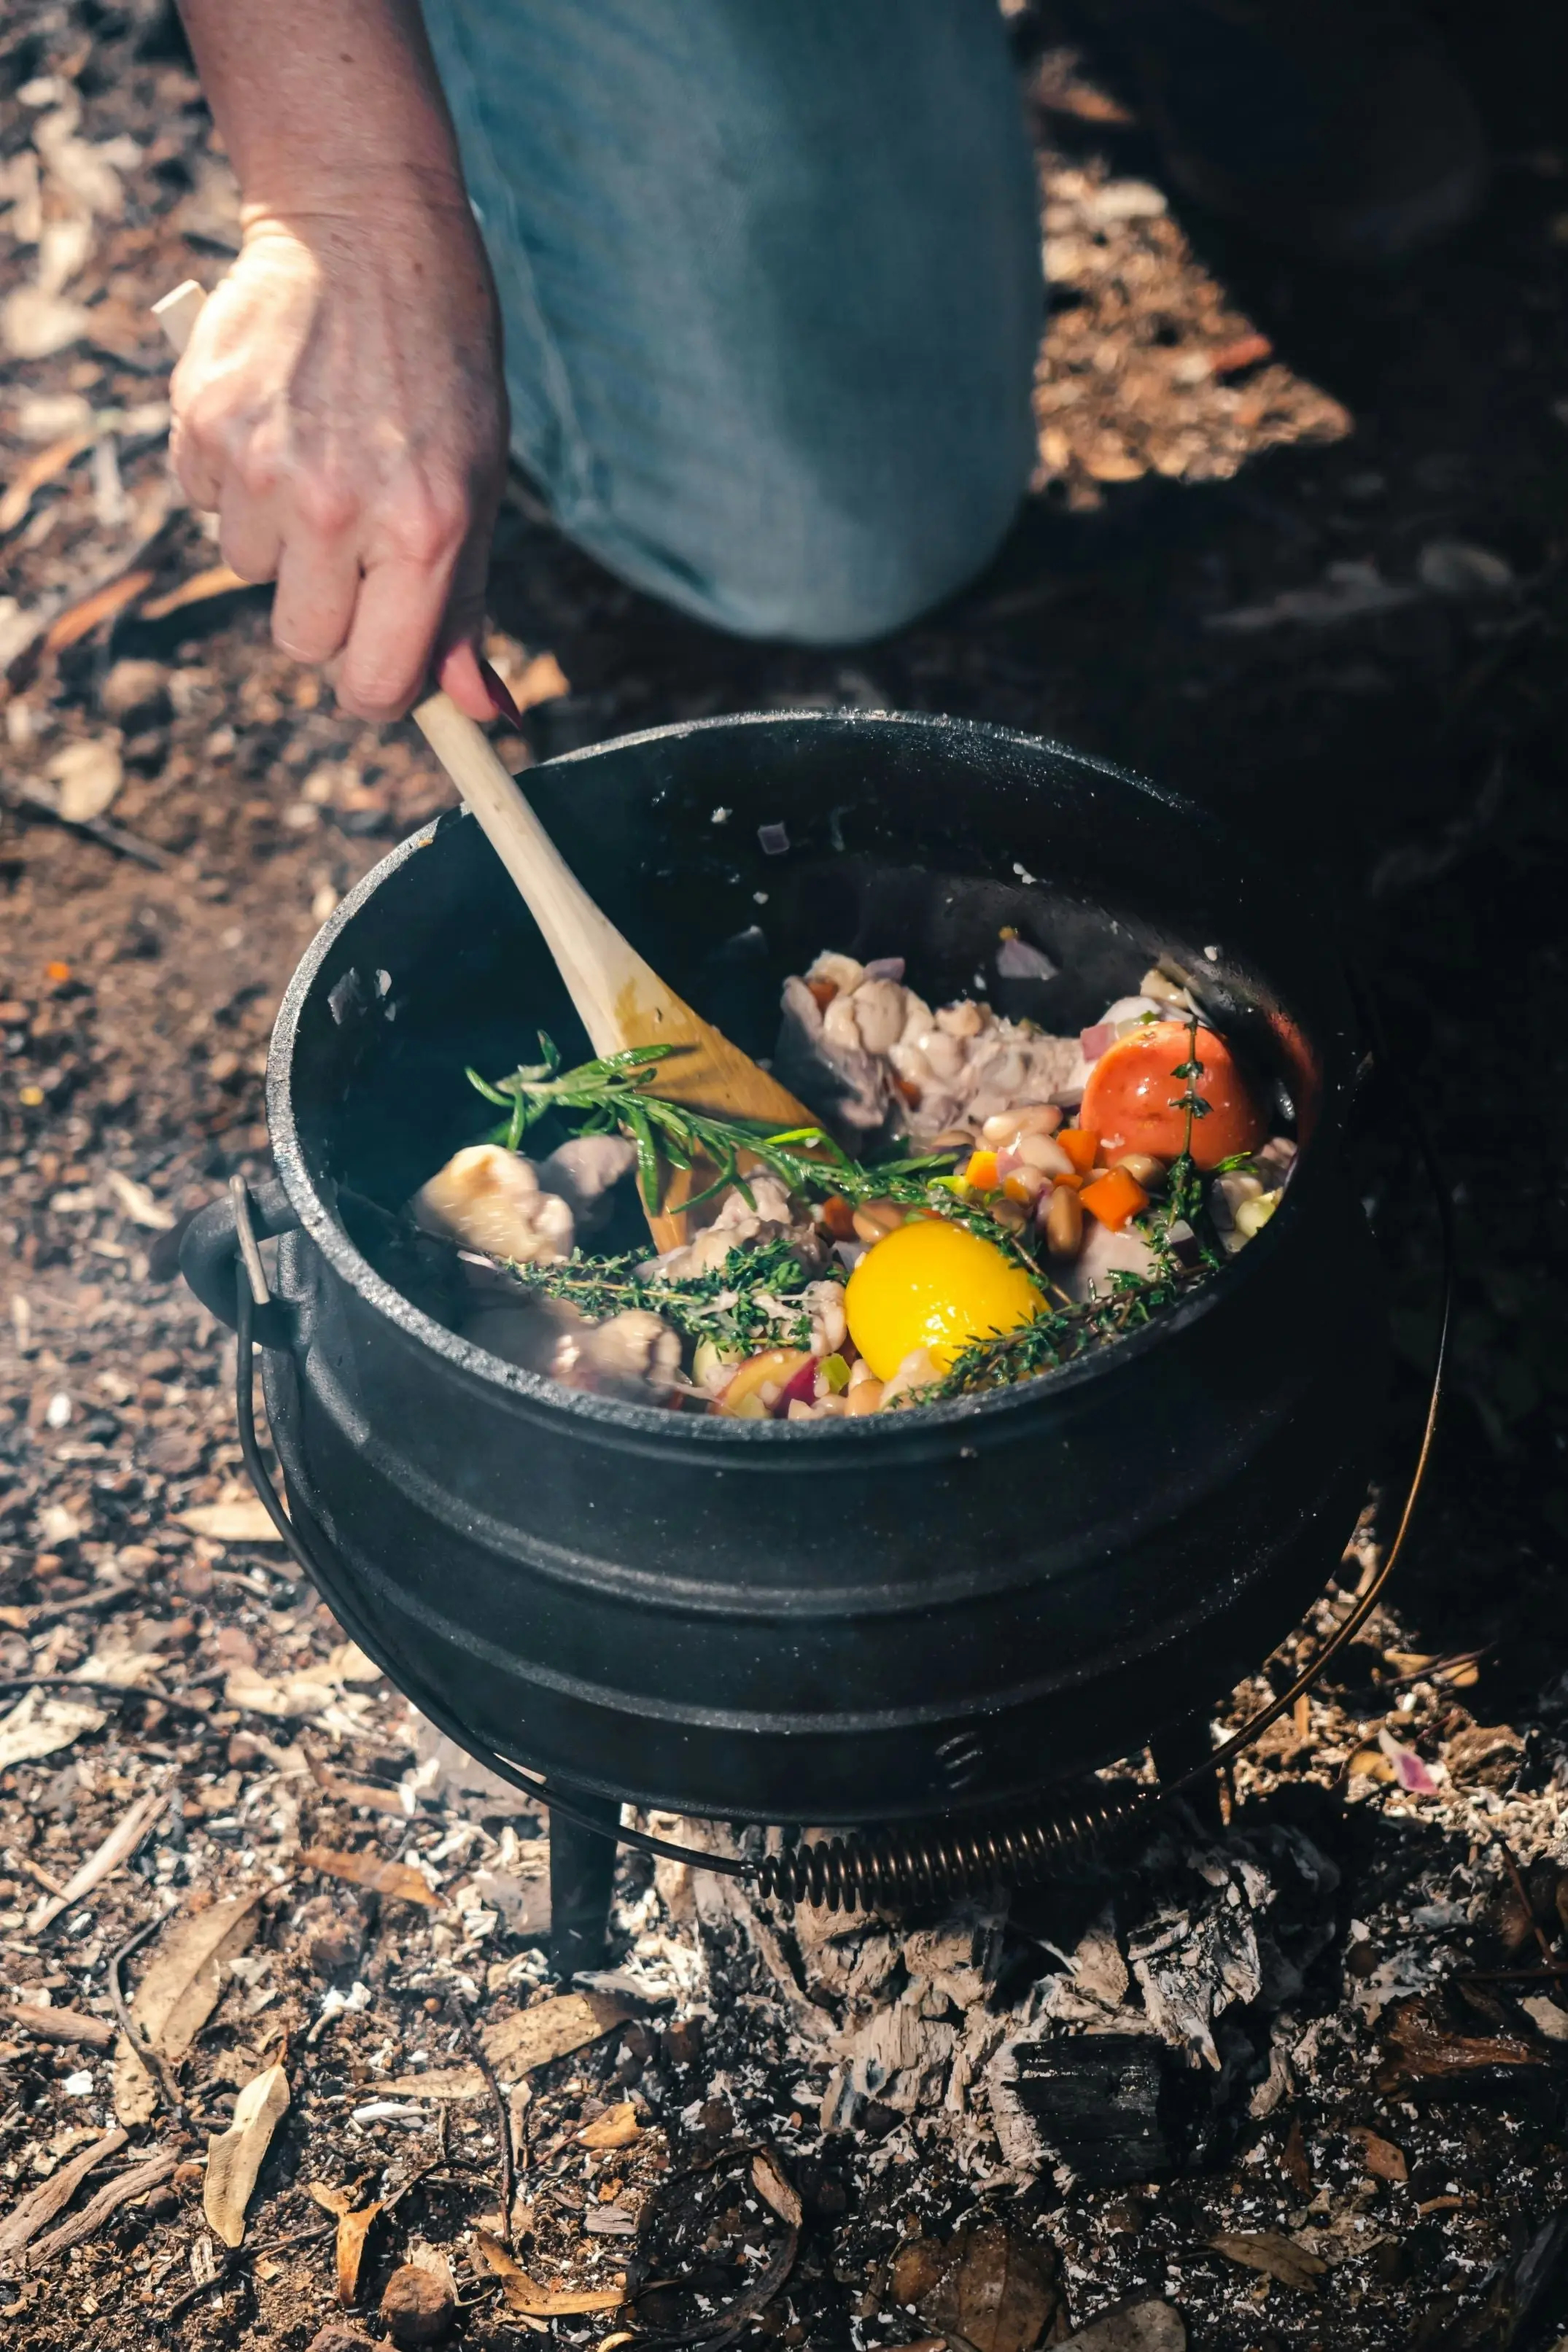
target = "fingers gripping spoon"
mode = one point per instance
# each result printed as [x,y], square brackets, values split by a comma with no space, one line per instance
[619,998]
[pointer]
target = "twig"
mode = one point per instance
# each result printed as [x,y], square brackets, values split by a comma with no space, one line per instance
[1523,1897]
[117,1848]
[157,2065]
[475,2049]
[100,1690]
[100,829]
[1552,1973]
[233,2257]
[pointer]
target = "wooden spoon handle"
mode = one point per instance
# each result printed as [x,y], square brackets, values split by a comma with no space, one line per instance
[603,973]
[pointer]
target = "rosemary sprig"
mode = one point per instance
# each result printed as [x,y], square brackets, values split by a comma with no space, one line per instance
[617,1090]
[753,1300]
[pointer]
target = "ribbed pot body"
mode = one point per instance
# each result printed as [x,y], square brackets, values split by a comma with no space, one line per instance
[851,1621]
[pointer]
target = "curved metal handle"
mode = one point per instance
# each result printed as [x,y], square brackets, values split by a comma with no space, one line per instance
[213,1249]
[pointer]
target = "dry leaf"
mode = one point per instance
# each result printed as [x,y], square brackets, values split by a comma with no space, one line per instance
[38,1726]
[242,1521]
[233,2156]
[178,1993]
[38,473]
[536,2302]
[399,1880]
[85,777]
[80,619]
[1277,2256]
[217,582]
[1380,2158]
[117,1847]
[336,2201]
[774,2189]
[532,2037]
[996,2290]
[617,2128]
[354,2230]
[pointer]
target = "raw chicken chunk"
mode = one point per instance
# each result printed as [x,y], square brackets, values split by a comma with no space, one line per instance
[489,1198]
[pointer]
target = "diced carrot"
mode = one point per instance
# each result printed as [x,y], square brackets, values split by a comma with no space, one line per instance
[1080,1147]
[910,1092]
[1113,1198]
[56,971]
[983,1173]
[838,1217]
[1016,1190]
[823,991]
[1071,1182]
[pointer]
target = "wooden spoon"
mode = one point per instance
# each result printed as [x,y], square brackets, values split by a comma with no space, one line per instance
[619,998]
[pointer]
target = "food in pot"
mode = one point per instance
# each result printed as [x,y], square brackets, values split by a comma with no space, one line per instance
[982,1203]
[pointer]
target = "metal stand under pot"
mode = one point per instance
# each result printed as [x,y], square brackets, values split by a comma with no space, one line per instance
[920,1621]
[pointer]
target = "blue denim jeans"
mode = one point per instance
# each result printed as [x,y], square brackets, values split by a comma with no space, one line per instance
[771,282]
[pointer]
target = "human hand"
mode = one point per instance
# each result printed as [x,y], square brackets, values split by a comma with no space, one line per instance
[340,405]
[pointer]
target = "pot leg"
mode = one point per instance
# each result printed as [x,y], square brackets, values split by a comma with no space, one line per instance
[582,1872]
[1182,1749]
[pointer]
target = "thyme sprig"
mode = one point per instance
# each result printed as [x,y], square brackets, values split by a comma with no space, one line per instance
[752,1301]
[1061,1334]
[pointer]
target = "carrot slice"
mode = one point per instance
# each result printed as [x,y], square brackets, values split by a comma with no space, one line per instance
[1113,1198]
[1081,1147]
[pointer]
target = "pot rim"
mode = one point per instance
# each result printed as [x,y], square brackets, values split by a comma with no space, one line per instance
[634,1423]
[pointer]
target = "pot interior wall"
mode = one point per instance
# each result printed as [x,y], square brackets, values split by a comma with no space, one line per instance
[922,839]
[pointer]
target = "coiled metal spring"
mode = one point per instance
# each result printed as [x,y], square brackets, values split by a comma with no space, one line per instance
[919,1865]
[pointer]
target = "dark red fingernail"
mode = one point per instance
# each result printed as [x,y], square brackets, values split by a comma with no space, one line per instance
[505,708]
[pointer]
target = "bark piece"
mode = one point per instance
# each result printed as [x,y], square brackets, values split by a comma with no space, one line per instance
[67,2026]
[233,2156]
[1100,2104]
[40,2205]
[109,2199]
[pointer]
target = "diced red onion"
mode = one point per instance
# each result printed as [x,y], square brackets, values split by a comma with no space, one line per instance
[800,1388]
[1092,1043]
[1017,960]
[885,968]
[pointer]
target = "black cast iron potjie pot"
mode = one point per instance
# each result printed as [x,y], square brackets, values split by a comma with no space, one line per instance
[843,1621]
